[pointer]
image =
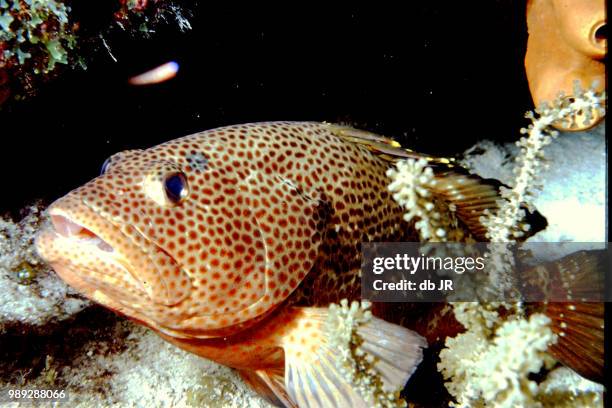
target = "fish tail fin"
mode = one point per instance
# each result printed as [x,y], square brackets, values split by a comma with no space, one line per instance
[580,337]
[574,286]
[314,372]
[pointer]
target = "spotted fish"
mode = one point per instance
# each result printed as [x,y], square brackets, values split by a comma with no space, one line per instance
[230,243]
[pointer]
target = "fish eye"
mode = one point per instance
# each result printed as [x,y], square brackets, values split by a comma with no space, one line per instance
[176,188]
[105,166]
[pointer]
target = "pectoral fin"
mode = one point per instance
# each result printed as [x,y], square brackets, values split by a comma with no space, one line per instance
[314,372]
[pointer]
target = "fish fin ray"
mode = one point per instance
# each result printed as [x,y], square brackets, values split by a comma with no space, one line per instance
[382,341]
[384,147]
[580,341]
[472,196]
[574,288]
[269,384]
[313,374]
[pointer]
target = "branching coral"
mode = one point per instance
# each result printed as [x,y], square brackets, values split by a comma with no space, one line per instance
[489,364]
[31,293]
[411,183]
[356,365]
[505,224]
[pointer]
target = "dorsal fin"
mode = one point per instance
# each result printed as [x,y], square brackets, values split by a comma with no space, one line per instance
[469,194]
[385,147]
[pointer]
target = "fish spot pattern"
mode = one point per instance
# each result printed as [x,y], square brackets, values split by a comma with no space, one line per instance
[274,211]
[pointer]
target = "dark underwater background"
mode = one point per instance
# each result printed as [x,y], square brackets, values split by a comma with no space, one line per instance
[437,76]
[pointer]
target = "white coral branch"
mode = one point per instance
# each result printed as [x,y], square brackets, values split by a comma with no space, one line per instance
[505,224]
[356,365]
[489,365]
[411,184]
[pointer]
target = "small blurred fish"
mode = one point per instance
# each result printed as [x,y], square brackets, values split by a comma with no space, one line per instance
[156,75]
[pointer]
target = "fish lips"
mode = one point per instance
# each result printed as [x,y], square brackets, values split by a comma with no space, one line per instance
[78,254]
[126,264]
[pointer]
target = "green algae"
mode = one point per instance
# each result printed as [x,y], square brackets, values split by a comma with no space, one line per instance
[25,273]
[36,32]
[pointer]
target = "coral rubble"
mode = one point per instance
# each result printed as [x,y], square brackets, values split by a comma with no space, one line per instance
[563,388]
[142,370]
[32,294]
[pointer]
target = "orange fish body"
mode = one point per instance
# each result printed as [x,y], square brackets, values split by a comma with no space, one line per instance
[230,242]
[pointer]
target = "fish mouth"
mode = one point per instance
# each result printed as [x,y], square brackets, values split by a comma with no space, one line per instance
[81,256]
[70,229]
[117,264]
